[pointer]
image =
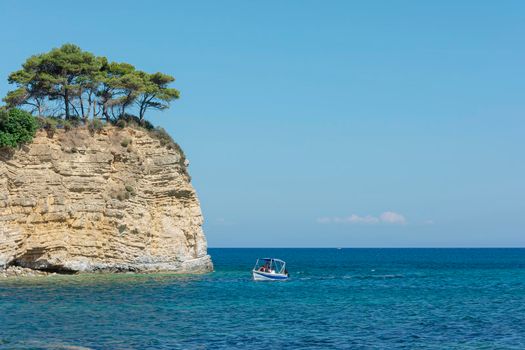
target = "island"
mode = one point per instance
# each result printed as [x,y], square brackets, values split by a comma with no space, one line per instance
[86,185]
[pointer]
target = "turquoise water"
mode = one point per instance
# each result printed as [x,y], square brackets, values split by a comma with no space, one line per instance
[335,299]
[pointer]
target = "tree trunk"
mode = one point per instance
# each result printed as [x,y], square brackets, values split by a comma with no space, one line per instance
[112,113]
[141,111]
[66,102]
[82,107]
[40,108]
[88,108]
[144,103]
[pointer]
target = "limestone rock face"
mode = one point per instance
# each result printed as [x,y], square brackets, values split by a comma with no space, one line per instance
[114,201]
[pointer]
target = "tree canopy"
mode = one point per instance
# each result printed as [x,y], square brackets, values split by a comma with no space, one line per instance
[68,82]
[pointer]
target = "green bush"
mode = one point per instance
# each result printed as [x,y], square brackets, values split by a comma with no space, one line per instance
[7,140]
[147,125]
[130,190]
[49,124]
[67,125]
[16,127]
[121,123]
[125,142]
[133,121]
[75,122]
[95,125]
[163,136]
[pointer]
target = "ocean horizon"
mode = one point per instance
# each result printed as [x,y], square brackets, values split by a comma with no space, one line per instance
[335,299]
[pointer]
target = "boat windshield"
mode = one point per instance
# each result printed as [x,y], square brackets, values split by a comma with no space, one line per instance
[270,265]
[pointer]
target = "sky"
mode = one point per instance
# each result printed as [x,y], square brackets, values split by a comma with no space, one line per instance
[324,123]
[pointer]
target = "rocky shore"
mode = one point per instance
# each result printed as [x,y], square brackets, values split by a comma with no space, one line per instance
[17,271]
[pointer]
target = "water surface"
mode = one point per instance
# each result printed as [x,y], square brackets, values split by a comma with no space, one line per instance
[335,299]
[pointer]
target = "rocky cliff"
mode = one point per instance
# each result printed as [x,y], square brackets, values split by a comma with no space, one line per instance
[117,200]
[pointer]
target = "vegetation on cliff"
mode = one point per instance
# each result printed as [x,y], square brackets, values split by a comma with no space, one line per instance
[16,127]
[69,83]
[67,88]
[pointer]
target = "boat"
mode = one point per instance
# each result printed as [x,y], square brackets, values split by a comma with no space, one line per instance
[270,269]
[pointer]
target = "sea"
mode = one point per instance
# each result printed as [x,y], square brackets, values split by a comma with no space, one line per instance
[334,299]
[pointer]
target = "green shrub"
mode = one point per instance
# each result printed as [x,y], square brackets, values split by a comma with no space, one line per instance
[121,123]
[130,190]
[163,136]
[95,125]
[125,142]
[67,125]
[16,127]
[49,124]
[98,124]
[7,140]
[75,122]
[133,121]
[147,125]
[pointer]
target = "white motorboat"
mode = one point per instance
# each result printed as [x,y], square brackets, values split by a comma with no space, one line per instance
[270,269]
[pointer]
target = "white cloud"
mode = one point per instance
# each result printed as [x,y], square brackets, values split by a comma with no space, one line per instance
[388,217]
[392,218]
[356,219]
[352,219]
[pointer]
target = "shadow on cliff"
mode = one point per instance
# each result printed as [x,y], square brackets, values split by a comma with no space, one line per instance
[6,154]
[33,259]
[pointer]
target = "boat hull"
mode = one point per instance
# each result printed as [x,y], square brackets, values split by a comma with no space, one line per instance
[266,276]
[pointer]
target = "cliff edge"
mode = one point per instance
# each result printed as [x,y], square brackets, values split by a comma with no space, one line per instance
[115,200]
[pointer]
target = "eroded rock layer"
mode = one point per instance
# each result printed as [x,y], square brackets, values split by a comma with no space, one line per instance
[114,201]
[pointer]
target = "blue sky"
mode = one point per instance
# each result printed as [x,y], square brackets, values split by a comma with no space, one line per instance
[325,123]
